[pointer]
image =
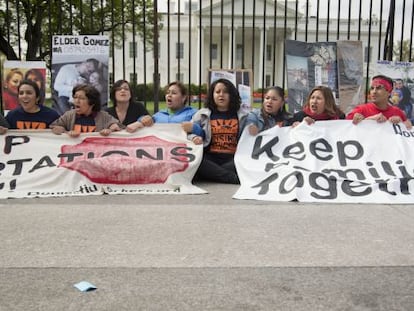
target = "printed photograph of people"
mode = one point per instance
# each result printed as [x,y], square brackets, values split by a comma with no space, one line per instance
[75,63]
[16,71]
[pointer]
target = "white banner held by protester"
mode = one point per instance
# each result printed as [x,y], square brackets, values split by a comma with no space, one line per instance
[330,162]
[156,160]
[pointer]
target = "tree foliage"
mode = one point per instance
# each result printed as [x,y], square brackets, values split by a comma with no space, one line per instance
[36,21]
[402,51]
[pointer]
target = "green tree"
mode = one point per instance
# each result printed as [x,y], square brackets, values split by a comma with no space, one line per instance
[37,20]
[401,52]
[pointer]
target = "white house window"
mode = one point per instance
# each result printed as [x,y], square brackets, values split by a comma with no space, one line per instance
[366,50]
[133,78]
[268,52]
[268,80]
[179,76]
[179,52]
[132,52]
[193,5]
[214,51]
[239,52]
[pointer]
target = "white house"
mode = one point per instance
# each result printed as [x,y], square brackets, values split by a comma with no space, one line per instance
[228,35]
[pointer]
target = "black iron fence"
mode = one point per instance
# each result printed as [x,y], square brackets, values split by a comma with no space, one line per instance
[154,42]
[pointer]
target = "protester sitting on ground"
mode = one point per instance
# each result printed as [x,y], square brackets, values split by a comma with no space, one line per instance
[4,125]
[31,114]
[10,84]
[272,113]
[177,110]
[320,106]
[125,108]
[87,116]
[217,127]
[380,108]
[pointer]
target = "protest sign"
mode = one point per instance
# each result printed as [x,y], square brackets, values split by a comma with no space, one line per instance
[330,162]
[337,65]
[16,71]
[155,160]
[78,60]
[403,75]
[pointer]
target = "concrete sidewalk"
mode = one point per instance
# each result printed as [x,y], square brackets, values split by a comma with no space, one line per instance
[204,252]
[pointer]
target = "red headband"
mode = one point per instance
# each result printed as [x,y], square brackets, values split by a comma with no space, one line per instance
[385,83]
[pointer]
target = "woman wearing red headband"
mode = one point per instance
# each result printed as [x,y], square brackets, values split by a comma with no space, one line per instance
[380,109]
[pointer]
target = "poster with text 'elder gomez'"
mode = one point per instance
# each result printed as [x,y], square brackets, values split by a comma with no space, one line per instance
[77,60]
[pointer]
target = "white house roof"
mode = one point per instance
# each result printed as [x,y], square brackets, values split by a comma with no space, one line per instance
[237,8]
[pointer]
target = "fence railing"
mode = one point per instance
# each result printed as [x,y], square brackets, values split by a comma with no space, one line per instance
[188,38]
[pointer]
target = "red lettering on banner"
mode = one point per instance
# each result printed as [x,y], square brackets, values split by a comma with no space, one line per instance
[146,160]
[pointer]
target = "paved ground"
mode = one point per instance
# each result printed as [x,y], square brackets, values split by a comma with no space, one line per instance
[204,252]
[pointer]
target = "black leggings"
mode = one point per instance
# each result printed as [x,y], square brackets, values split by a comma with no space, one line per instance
[212,169]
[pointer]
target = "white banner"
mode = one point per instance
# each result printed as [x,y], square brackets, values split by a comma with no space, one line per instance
[330,162]
[156,160]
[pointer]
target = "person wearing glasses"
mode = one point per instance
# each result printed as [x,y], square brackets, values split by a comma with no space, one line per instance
[87,115]
[379,109]
[125,108]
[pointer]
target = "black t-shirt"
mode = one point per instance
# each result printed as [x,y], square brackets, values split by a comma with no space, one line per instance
[224,133]
[134,111]
[84,124]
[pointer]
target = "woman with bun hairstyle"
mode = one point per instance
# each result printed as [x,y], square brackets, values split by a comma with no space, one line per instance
[217,127]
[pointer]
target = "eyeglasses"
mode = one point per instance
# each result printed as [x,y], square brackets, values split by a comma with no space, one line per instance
[125,88]
[80,97]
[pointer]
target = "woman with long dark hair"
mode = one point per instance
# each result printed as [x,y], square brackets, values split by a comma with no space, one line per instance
[217,127]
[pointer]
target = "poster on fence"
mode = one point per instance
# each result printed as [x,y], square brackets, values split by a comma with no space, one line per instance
[329,162]
[156,160]
[403,75]
[337,65]
[350,74]
[77,60]
[16,71]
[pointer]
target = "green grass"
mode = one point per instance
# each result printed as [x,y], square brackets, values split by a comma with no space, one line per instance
[162,105]
[150,105]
